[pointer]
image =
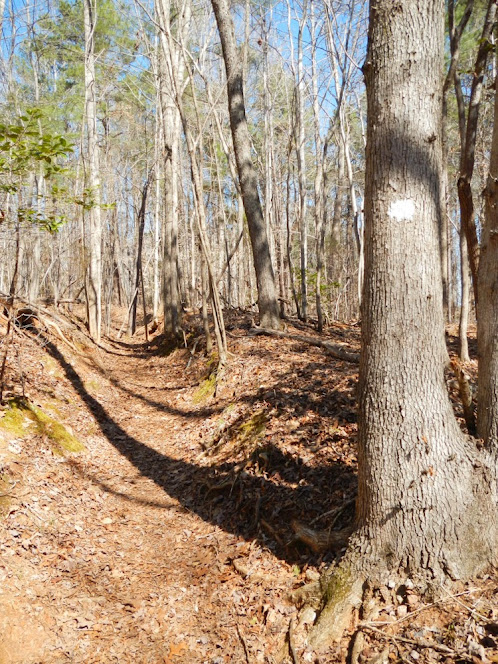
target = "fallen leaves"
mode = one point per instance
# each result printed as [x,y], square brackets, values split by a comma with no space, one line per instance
[176,650]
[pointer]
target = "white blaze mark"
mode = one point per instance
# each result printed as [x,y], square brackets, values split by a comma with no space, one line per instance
[402,210]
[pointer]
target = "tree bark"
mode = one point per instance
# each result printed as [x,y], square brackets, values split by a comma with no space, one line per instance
[426,503]
[132,322]
[468,147]
[465,295]
[301,164]
[170,64]
[94,272]
[455,34]
[487,319]
[267,292]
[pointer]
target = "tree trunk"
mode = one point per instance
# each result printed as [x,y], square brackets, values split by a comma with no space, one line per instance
[301,165]
[267,292]
[157,198]
[465,294]
[170,64]
[487,319]
[321,158]
[426,505]
[94,273]
[468,143]
[132,322]
[455,34]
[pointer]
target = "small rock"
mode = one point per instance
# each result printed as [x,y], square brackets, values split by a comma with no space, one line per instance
[413,601]
[312,574]
[415,655]
[476,650]
[308,616]
[401,610]
[381,658]
[391,584]
[409,585]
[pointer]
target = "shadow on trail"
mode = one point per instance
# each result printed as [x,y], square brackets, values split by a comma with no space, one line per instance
[240,506]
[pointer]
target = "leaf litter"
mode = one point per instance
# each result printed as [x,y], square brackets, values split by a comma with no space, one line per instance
[170,539]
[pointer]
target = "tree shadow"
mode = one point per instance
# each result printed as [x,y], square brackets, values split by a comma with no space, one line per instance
[274,487]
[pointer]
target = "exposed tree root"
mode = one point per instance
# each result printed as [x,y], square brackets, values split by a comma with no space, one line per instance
[292,646]
[358,644]
[343,593]
[333,349]
[321,540]
[309,595]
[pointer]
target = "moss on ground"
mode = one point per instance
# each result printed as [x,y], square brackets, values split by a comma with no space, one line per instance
[56,432]
[254,427]
[22,415]
[14,419]
[205,390]
[91,385]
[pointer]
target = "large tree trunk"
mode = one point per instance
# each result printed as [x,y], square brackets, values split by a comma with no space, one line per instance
[267,292]
[427,496]
[425,503]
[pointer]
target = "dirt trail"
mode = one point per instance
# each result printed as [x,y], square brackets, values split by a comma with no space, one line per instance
[170,540]
[148,548]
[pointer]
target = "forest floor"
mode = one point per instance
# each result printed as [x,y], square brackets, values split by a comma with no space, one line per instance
[171,537]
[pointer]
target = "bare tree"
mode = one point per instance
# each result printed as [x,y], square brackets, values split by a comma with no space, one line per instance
[468,129]
[267,293]
[487,310]
[94,271]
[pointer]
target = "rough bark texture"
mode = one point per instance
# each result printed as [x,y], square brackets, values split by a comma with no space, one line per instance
[267,292]
[487,321]
[426,499]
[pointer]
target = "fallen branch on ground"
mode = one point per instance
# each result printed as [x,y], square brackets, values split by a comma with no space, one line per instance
[333,349]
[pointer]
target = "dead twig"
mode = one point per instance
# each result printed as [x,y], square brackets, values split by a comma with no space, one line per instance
[244,644]
[421,643]
[272,532]
[472,612]
[409,616]
[335,513]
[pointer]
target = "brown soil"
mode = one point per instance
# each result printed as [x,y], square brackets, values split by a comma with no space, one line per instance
[170,539]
